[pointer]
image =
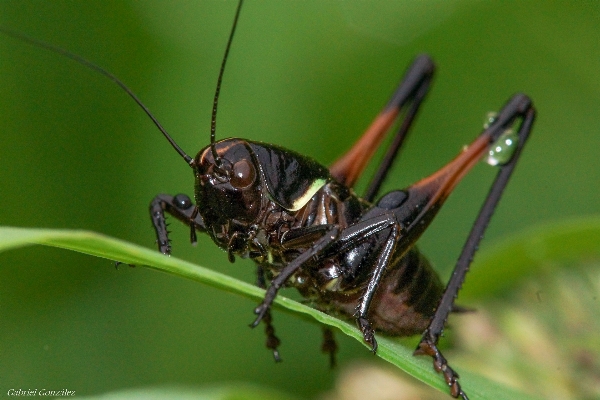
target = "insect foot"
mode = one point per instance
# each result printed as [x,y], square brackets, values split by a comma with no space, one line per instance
[440,364]
[368,333]
[329,346]
[261,311]
[273,341]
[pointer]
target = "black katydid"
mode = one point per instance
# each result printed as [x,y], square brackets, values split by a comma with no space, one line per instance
[305,227]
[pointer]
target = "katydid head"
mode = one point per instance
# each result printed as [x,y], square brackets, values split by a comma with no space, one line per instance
[229,187]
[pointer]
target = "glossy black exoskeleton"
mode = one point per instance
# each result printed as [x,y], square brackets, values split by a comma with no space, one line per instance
[305,227]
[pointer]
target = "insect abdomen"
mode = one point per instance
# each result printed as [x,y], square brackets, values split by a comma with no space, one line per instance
[407,296]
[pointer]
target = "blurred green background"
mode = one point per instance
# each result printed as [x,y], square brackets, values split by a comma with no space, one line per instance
[309,75]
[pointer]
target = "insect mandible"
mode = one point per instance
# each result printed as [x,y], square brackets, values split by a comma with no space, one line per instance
[305,227]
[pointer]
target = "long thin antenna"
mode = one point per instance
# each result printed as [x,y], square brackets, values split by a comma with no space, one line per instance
[213,122]
[92,66]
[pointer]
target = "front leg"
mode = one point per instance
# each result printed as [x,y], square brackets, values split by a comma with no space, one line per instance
[289,270]
[182,208]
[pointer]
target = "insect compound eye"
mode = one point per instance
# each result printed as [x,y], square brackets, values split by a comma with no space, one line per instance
[182,201]
[243,175]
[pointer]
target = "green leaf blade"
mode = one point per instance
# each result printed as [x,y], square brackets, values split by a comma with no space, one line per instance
[113,249]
